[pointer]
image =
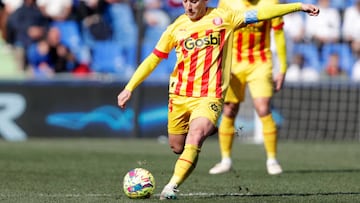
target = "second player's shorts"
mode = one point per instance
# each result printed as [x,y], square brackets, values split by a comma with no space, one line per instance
[257,76]
[182,110]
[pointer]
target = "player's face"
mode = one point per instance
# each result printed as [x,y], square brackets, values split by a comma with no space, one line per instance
[195,9]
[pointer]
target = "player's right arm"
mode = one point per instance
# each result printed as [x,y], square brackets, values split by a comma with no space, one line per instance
[141,73]
[163,47]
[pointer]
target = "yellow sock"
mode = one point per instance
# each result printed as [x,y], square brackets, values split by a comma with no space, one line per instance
[270,135]
[185,164]
[226,136]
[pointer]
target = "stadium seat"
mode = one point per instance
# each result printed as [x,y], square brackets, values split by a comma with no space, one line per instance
[341,4]
[107,58]
[346,58]
[70,33]
[213,3]
[164,69]
[125,29]
[310,53]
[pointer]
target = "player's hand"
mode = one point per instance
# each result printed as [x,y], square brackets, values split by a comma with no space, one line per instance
[279,81]
[123,97]
[311,9]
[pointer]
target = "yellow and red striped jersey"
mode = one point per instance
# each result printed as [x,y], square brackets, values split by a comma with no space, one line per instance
[203,50]
[252,43]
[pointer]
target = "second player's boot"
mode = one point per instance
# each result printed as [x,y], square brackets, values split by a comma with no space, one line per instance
[223,167]
[273,167]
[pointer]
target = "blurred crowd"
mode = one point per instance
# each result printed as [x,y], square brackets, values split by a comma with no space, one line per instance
[327,46]
[112,36]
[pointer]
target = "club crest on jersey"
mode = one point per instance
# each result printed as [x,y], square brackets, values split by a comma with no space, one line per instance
[217,21]
[214,107]
[192,43]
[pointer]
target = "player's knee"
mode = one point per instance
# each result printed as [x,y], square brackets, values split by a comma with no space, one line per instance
[263,111]
[177,149]
[230,109]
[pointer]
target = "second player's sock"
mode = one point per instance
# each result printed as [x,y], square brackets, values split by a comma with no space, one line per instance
[270,136]
[226,136]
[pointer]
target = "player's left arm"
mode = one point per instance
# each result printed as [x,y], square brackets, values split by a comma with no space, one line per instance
[280,42]
[268,12]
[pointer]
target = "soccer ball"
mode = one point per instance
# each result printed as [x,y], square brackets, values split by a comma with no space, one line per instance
[138,183]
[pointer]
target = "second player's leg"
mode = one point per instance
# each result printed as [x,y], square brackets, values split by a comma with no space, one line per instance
[226,137]
[262,107]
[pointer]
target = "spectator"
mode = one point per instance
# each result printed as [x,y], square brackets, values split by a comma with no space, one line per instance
[340,4]
[351,27]
[174,8]
[355,76]
[325,28]
[332,69]
[49,56]
[60,15]
[2,19]
[107,27]
[294,28]
[155,16]
[299,72]
[94,23]
[59,10]
[25,26]
[343,50]
[125,30]
[156,20]
[87,8]
[9,6]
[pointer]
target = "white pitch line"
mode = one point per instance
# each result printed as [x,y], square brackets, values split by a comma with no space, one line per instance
[60,195]
[197,194]
[77,195]
[205,194]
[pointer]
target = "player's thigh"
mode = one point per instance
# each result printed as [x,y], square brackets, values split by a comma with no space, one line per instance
[207,108]
[260,81]
[200,129]
[178,122]
[184,110]
[236,90]
[178,115]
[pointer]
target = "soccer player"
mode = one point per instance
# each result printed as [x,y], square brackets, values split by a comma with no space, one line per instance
[252,66]
[202,39]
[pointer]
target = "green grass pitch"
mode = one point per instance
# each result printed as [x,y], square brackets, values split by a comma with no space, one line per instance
[91,170]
